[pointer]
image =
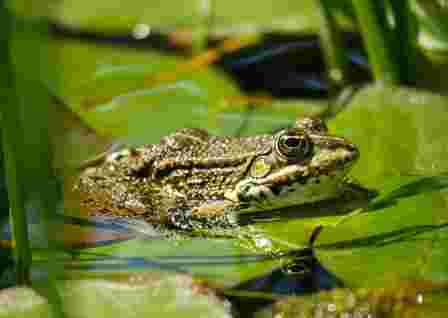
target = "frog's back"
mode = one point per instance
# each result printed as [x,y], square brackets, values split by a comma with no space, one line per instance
[203,169]
[185,169]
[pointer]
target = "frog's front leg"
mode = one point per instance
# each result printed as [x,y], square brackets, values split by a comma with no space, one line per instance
[212,214]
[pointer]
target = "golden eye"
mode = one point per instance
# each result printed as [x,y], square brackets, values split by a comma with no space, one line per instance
[294,145]
[260,168]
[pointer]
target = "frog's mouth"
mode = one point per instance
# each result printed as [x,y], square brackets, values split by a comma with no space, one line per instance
[320,179]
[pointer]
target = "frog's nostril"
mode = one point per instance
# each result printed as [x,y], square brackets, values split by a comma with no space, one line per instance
[351,147]
[355,153]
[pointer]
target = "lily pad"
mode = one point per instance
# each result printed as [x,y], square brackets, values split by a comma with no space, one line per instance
[223,262]
[401,234]
[156,293]
[140,295]
[145,95]
[398,131]
[18,302]
[126,93]
[113,16]
[403,301]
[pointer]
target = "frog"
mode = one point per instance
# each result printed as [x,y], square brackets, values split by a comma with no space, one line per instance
[194,179]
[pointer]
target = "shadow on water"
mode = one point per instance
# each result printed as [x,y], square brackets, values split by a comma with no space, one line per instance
[300,277]
[272,65]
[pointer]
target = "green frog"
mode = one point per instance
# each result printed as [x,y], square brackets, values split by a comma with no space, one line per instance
[194,179]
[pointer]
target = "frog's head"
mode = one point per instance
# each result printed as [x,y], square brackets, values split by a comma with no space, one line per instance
[305,164]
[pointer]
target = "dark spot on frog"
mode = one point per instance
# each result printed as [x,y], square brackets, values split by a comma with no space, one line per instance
[276,190]
[340,163]
[142,172]
[262,195]
[134,153]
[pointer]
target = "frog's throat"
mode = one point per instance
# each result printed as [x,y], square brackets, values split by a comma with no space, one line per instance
[251,188]
[293,185]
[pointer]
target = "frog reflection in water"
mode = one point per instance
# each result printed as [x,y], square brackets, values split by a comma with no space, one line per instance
[193,179]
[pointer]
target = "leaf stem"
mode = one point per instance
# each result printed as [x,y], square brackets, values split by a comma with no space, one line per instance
[14,151]
[332,45]
[377,37]
[405,40]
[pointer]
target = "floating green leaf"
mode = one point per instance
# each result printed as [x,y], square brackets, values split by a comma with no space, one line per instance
[393,301]
[23,302]
[112,16]
[401,234]
[398,131]
[223,262]
[153,294]
[136,295]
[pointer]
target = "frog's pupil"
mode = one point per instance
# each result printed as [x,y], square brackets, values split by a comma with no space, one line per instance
[292,142]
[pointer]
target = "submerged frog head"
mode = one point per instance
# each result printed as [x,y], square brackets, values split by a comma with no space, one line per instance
[305,164]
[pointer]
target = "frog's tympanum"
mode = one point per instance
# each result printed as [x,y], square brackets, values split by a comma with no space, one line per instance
[193,178]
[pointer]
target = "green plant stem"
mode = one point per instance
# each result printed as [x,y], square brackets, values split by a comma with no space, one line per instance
[32,188]
[201,29]
[14,151]
[375,29]
[332,44]
[405,39]
[43,191]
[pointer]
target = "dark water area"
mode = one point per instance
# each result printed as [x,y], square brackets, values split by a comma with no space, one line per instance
[300,277]
[291,66]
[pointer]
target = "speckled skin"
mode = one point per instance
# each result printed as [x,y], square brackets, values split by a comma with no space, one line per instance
[192,175]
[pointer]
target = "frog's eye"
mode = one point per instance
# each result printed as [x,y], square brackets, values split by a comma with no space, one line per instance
[293,146]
